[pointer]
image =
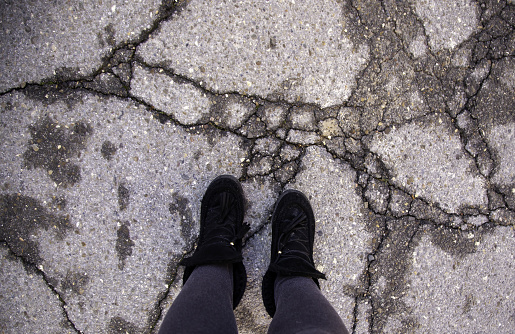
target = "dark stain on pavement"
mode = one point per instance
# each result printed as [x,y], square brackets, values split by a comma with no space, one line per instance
[75,282]
[180,206]
[119,325]
[58,202]
[496,101]
[107,37]
[67,73]
[49,94]
[273,43]
[393,262]
[108,150]
[123,196]
[53,145]
[455,242]
[124,244]
[110,34]
[20,218]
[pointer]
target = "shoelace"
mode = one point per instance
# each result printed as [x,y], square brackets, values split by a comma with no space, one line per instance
[293,233]
[221,228]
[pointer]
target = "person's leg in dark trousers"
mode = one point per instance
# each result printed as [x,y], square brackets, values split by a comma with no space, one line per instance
[204,304]
[214,276]
[291,292]
[301,308]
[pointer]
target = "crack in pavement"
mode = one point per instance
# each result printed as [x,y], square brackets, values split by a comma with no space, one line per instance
[40,273]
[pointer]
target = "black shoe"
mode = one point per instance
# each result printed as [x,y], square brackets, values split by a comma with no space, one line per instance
[221,231]
[293,233]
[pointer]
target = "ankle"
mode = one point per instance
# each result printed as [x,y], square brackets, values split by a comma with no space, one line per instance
[218,268]
[283,279]
[216,272]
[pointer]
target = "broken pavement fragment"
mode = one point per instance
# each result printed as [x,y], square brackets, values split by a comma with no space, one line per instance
[44,39]
[495,111]
[427,160]
[297,51]
[448,23]
[342,240]
[231,110]
[502,140]
[182,100]
[28,304]
[441,300]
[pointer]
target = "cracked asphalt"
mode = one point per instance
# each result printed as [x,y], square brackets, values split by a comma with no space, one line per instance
[396,118]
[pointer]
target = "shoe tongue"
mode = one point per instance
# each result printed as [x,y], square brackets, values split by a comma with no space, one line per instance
[295,212]
[221,207]
[220,218]
[294,218]
[297,241]
[296,230]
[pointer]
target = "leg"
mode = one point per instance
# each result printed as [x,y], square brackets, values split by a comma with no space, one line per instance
[214,276]
[290,289]
[301,308]
[204,304]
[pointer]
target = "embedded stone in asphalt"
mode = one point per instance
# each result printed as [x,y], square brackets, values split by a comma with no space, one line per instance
[279,50]
[428,161]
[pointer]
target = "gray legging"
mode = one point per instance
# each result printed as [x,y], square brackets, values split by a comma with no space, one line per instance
[204,305]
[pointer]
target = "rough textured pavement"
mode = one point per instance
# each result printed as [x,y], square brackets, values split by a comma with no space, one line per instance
[396,118]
